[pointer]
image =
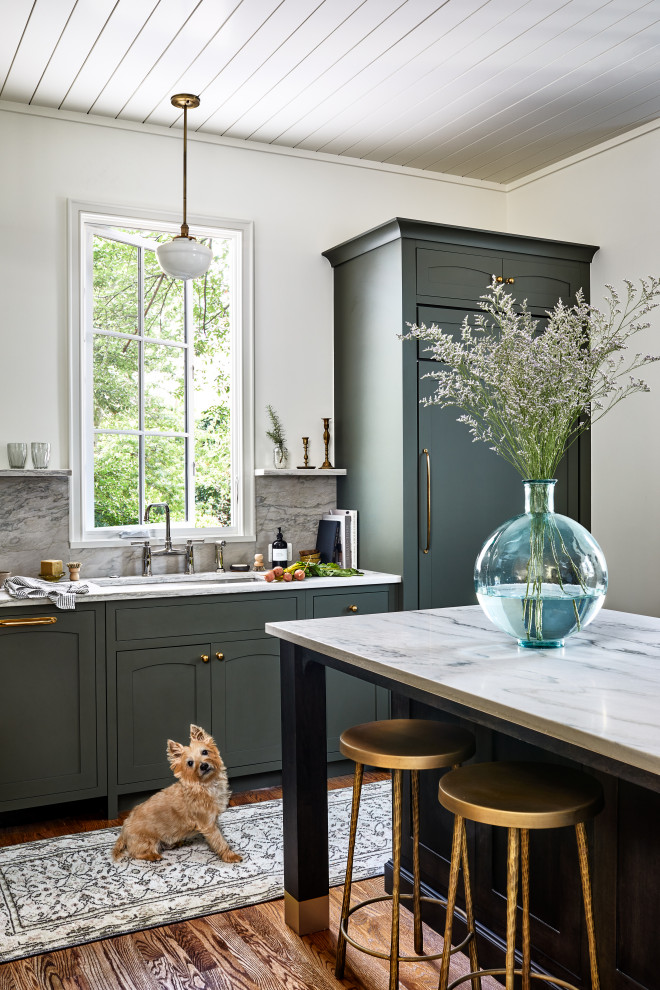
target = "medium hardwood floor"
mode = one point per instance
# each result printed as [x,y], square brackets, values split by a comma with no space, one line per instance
[247,949]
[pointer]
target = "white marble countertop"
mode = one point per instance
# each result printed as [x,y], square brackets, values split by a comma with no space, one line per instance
[600,692]
[209,583]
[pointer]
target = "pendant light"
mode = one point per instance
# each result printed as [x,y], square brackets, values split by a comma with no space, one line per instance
[184,257]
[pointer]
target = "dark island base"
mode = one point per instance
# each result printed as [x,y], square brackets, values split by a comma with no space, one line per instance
[625,860]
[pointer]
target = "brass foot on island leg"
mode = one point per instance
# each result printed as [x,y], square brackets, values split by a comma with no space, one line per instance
[308,916]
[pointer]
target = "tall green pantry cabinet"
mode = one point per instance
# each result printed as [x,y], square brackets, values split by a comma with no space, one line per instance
[427,497]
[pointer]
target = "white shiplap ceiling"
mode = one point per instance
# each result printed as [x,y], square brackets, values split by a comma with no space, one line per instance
[486,89]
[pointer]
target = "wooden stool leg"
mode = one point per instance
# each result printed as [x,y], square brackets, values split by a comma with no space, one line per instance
[583,854]
[469,913]
[397,784]
[511,906]
[346,903]
[417,893]
[526,938]
[456,848]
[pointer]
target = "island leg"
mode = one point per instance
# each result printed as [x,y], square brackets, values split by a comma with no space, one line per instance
[304,789]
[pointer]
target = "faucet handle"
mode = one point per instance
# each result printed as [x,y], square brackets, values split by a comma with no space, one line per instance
[140,543]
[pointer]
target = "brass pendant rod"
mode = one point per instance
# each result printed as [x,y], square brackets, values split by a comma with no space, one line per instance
[184,225]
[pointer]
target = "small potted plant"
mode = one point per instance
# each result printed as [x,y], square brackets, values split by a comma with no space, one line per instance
[276,434]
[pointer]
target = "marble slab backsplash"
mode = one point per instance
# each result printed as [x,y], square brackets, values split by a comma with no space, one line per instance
[34,526]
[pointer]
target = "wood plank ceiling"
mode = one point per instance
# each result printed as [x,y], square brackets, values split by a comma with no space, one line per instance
[488,89]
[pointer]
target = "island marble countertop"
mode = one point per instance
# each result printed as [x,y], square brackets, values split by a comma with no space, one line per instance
[207,583]
[600,692]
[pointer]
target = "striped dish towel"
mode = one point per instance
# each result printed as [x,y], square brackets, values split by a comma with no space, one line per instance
[61,595]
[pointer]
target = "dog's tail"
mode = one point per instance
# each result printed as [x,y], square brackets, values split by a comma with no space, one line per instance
[119,847]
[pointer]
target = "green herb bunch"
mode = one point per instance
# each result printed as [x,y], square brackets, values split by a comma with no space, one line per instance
[276,432]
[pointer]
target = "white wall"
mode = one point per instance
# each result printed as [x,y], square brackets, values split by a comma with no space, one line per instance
[300,207]
[611,199]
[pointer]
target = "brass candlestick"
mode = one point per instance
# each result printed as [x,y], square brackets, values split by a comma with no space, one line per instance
[326,440]
[306,466]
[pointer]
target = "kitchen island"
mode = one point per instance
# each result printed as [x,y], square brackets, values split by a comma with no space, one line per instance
[593,704]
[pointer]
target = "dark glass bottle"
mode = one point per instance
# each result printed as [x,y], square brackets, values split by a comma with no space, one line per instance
[279,550]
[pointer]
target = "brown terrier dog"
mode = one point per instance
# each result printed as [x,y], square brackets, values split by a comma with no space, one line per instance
[193,804]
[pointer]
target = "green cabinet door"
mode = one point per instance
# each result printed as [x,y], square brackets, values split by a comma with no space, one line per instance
[48,708]
[542,281]
[246,704]
[159,693]
[455,277]
[349,700]
[472,491]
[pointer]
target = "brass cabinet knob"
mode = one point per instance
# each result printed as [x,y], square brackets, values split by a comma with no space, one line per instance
[352,608]
[509,281]
[498,279]
[220,656]
[204,657]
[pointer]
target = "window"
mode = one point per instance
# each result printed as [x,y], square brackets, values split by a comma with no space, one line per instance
[164,375]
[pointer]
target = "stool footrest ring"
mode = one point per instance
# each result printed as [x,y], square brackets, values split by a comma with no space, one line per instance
[386,955]
[517,972]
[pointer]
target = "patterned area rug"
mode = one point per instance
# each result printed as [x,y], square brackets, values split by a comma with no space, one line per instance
[65,891]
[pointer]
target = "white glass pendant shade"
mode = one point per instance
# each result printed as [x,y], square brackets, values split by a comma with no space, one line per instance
[184,257]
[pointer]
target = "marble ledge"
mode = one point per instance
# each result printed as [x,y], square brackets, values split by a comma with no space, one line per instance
[299,472]
[600,692]
[40,473]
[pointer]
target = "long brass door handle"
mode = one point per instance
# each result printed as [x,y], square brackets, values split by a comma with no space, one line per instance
[37,620]
[428,500]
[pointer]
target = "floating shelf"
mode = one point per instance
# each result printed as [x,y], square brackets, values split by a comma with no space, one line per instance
[36,473]
[297,472]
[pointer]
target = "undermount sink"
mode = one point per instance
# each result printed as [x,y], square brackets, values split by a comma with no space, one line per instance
[210,577]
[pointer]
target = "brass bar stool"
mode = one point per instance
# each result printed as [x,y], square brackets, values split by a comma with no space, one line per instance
[520,797]
[397,745]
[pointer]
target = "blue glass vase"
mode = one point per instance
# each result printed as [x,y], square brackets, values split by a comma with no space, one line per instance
[541,576]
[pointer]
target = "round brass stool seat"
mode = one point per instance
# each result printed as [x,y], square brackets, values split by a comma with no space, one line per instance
[520,797]
[400,745]
[407,744]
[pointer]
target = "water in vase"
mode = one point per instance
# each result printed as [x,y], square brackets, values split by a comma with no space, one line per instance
[560,612]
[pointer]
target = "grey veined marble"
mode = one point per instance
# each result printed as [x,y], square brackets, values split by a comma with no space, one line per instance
[34,526]
[599,692]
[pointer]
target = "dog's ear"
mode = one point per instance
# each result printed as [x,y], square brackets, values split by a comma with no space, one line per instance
[174,750]
[198,733]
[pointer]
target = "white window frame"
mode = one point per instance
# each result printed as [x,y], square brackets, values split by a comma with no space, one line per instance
[83,217]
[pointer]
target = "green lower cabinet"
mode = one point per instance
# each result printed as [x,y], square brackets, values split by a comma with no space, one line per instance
[246,704]
[52,707]
[349,700]
[160,692]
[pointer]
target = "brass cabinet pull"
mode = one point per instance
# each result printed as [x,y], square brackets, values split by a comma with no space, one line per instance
[498,278]
[352,608]
[220,656]
[428,500]
[37,620]
[509,281]
[204,657]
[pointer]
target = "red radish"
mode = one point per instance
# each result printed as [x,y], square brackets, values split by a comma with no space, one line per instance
[269,576]
[278,571]
[287,576]
[299,575]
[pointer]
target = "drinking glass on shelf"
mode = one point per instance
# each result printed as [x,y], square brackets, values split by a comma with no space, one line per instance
[17,454]
[40,454]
